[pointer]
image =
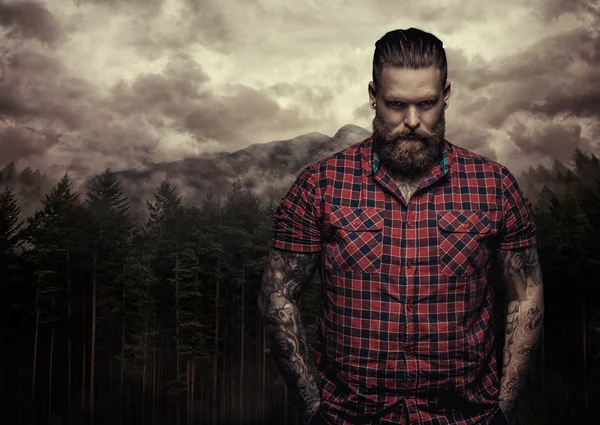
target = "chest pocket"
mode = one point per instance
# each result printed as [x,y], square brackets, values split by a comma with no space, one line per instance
[356,245]
[463,240]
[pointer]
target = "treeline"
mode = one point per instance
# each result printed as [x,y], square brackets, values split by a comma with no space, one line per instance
[105,320]
[109,320]
[567,214]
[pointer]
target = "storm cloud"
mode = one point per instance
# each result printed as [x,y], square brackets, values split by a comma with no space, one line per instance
[90,84]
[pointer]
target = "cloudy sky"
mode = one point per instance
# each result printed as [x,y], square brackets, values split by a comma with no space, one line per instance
[91,84]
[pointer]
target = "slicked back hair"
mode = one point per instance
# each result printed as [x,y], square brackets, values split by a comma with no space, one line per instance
[412,49]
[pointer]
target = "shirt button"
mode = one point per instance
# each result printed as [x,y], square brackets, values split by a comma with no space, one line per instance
[409,349]
[411,224]
[411,263]
[410,307]
[465,225]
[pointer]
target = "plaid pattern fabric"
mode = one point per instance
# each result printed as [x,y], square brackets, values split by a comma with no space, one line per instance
[406,334]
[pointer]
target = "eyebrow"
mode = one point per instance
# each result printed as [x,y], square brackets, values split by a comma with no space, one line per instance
[434,97]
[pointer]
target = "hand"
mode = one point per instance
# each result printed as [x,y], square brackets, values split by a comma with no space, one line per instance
[308,415]
[506,411]
[509,391]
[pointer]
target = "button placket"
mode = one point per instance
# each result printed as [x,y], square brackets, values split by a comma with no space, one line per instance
[411,253]
[411,236]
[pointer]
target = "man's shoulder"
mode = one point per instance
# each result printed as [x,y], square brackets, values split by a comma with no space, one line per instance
[469,160]
[345,160]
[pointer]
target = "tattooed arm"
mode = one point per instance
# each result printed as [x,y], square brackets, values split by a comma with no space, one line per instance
[286,276]
[524,319]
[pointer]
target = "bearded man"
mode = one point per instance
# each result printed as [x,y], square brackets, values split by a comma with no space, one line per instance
[405,228]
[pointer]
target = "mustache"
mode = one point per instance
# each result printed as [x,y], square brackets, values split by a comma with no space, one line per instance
[404,133]
[416,134]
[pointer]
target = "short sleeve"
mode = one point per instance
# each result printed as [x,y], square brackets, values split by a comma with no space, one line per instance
[297,218]
[518,228]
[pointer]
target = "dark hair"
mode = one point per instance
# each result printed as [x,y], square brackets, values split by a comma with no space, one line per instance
[411,48]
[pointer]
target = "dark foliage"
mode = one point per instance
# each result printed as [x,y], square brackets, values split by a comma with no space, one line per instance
[108,320]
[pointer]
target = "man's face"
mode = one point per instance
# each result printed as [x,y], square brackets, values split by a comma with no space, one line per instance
[409,123]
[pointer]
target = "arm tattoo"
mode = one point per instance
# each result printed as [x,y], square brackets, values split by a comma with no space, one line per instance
[285,277]
[527,350]
[533,314]
[512,320]
[521,270]
[524,319]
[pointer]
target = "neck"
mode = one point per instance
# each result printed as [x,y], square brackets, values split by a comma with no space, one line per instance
[408,184]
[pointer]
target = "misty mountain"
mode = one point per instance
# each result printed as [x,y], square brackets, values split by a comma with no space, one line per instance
[266,168]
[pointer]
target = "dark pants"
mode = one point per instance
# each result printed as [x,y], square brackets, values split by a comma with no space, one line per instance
[317,419]
[498,419]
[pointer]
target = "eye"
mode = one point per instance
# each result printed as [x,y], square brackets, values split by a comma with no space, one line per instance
[428,103]
[396,104]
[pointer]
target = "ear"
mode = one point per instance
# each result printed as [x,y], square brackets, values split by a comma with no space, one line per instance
[372,93]
[447,91]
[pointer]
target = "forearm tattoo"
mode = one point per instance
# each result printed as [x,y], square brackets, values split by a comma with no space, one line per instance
[534,319]
[512,321]
[524,318]
[285,277]
[521,270]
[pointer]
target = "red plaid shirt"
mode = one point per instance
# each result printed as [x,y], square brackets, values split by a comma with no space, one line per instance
[406,334]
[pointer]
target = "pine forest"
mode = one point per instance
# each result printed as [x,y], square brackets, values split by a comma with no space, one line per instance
[108,318]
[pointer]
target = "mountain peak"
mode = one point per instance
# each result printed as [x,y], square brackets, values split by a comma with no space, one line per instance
[351,131]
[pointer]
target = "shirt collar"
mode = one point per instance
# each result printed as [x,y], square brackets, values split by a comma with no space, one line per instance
[370,159]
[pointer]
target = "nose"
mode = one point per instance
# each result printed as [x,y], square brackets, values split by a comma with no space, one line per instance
[412,118]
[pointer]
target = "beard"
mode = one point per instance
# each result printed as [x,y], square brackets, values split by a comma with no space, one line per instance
[407,153]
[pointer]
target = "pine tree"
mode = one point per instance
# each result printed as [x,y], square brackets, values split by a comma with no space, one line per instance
[213,266]
[165,232]
[111,227]
[54,235]
[10,226]
[13,310]
[137,333]
[192,338]
[8,174]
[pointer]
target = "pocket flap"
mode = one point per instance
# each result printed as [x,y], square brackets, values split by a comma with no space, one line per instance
[356,218]
[464,221]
